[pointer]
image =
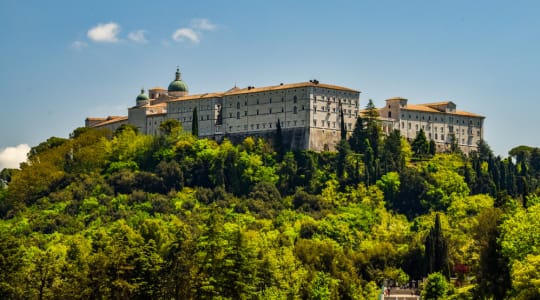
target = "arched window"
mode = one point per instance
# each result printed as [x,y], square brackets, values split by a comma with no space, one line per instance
[389,114]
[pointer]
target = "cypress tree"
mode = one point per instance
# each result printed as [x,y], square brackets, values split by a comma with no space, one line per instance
[436,253]
[358,136]
[195,123]
[343,128]
[420,146]
[278,141]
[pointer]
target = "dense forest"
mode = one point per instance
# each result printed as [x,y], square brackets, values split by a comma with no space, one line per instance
[122,215]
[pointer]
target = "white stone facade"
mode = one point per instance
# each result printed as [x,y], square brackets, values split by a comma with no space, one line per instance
[440,121]
[309,112]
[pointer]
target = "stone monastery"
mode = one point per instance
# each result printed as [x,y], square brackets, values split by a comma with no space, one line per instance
[309,114]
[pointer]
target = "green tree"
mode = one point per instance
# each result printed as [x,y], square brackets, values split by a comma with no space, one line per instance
[278,141]
[435,287]
[358,137]
[436,254]
[493,275]
[392,158]
[11,262]
[420,145]
[373,128]
[343,129]
[195,123]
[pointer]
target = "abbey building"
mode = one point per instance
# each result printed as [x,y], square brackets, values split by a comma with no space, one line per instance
[309,114]
[440,121]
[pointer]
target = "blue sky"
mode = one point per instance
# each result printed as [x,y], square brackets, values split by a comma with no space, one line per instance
[62,61]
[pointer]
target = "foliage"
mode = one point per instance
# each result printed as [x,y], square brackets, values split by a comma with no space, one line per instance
[130,216]
[435,287]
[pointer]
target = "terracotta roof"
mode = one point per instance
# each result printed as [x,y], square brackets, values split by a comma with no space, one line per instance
[157,88]
[289,86]
[424,108]
[239,91]
[437,103]
[95,119]
[198,96]
[397,98]
[466,114]
[110,120]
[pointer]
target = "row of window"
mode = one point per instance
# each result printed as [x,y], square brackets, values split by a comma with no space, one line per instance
[268,125]
[257,112]
[450,119]
[428,128]
[327,124]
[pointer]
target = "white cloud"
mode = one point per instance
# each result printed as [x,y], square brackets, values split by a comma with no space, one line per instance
[138,36]
[202,24]
[186,34]
[104,33]
[11,157]
[79,45]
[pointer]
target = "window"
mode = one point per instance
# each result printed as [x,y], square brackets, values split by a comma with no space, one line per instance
[409,125]
[257,101]
[314,122]
[245,113]
[230,115]
[282,99]
[294,110]
[282,109]
[238,115]
[389,114]
[295,99]
[270,100]
[257,112]
[270,111]
[237,105]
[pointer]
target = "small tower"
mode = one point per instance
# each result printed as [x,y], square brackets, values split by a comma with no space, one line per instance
[177,88]
[142,98]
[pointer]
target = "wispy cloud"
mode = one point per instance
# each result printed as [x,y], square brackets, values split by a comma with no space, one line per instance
[183,34]
[193,33]
[104,33]
[203,24]
[79,45]
[11,157]
[138,36]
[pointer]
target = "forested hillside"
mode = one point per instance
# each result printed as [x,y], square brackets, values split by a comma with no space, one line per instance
[122,215]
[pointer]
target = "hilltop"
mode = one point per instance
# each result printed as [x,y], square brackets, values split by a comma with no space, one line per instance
[126,215]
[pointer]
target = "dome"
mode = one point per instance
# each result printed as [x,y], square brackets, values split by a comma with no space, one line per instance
[142,96]
[178,85]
